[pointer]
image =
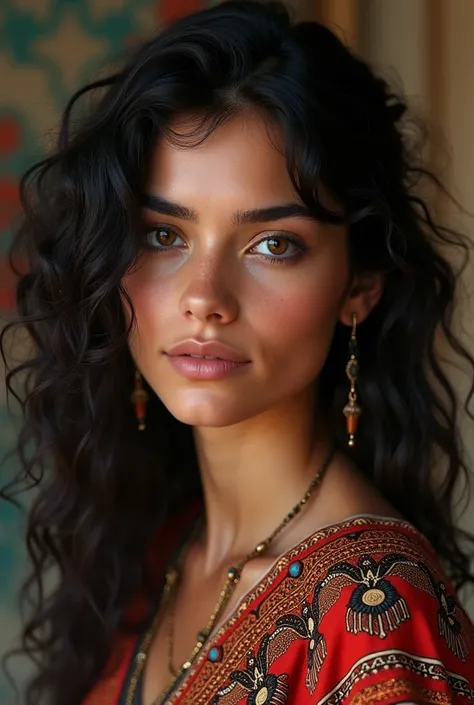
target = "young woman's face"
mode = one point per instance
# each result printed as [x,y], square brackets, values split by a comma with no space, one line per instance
[232,260]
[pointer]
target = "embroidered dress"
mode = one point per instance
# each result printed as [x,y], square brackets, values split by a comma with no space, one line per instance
[360,612]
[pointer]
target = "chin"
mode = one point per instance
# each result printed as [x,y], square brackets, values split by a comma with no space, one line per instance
[203,410]
[207,417]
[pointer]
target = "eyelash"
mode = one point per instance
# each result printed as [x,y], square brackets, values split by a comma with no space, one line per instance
[272,259]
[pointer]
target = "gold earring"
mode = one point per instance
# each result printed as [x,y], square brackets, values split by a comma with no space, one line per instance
[352,410]
[139,399]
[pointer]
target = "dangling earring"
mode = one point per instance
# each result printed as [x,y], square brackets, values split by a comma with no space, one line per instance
[352,410]
[139,399]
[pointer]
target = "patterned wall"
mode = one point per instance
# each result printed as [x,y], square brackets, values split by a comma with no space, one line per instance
[47,49]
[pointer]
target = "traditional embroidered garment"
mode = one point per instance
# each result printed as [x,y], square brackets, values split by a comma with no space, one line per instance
[360,612]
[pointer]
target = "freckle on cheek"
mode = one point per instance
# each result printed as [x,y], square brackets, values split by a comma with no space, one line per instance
[298,318]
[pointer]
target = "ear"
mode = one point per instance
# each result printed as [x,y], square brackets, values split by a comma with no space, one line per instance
[364,294]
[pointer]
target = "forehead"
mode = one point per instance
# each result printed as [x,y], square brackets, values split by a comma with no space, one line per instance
[242,157]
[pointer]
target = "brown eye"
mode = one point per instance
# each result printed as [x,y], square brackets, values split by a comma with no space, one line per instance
[161,238]
[165,237]
[277,246]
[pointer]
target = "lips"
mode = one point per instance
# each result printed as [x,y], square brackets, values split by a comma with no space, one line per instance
[209,350]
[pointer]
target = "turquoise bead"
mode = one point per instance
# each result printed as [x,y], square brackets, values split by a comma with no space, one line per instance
[295,569]
[215,654]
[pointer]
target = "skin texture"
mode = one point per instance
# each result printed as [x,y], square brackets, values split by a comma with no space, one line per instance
[259,437]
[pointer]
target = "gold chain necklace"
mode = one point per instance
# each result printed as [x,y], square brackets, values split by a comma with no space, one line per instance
[170,593]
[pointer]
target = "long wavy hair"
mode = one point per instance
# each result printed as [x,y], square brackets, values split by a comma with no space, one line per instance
[101,487]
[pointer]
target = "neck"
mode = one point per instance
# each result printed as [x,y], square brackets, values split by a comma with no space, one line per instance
[254,472]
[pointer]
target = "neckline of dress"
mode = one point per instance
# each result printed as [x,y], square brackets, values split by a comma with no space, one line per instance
[296,549]
[312,539]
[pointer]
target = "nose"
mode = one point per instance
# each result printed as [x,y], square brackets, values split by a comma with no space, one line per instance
[210,292]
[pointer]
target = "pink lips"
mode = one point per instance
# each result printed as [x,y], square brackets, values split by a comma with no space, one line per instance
[207,360]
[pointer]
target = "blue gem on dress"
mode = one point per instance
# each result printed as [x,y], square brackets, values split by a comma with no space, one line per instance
[295,569]
[215,654]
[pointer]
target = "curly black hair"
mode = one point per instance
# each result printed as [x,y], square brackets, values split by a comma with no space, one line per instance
[101,487]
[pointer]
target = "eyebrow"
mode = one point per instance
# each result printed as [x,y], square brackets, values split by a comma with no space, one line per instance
[165,207]
[255,215]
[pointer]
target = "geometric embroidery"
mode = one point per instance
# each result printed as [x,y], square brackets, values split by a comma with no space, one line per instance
[376,662]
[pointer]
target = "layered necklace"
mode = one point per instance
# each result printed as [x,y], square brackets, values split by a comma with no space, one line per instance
[169,595]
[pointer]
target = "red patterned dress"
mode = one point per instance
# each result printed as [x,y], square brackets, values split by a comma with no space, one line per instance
[360,612]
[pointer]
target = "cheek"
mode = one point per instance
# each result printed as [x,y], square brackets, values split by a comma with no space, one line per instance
[289,317]
[298,329]
[149,297]
[297,321]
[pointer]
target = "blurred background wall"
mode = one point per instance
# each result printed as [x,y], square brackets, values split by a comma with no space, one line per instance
[49,47]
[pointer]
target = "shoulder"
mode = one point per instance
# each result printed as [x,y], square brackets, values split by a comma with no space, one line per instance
[346,491]
[359,612]
[382,620]
[379,562]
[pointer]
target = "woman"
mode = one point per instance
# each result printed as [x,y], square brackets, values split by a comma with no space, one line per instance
[232,239]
